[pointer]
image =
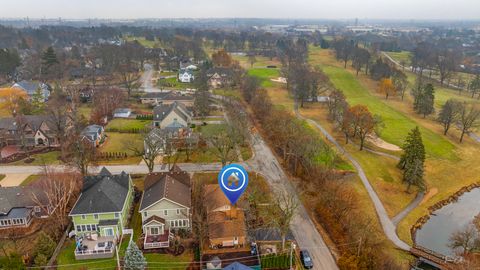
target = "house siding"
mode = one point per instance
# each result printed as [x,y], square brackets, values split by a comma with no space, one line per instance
[158,209]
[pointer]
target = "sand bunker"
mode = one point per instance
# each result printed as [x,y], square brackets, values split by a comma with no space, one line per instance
[382,144]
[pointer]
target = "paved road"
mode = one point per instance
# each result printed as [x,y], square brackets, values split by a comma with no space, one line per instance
[265,163]
[388,227]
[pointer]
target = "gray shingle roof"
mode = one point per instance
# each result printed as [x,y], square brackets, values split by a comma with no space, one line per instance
[160,112]
[102,193]
[174,185]
[19,197]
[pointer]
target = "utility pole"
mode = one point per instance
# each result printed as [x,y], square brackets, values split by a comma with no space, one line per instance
[292,247]
[359,246]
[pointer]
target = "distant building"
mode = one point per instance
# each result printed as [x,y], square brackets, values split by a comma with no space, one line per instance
[169,97]
[186,76]
[171,115]
[122,113]
[94,134]
[31,87]
[219,77]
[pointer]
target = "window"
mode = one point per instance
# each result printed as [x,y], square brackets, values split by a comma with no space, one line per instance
[84,217]
[84,229]
[117,215]
[89,228]
[154,231]
[94,227]
[95,216]
[178,211]
[79,229]
[165,212]
[108,231]
[145,214]
[36,209]
[172,223]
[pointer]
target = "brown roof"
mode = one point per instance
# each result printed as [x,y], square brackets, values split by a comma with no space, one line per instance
[173,185]
[214,197]
[156,218]
[221,226]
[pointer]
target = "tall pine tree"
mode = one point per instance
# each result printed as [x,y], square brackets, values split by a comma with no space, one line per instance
[134,259]
[413,159]
[424,97]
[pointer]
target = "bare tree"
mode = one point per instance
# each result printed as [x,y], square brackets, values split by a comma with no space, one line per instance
[469,118]
[59,191]
[224,145]
[153,145]
[82,154]
[282,213]
[466,239]
[199,215]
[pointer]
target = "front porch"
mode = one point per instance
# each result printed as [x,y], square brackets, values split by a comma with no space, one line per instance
[157,241]
[101,247]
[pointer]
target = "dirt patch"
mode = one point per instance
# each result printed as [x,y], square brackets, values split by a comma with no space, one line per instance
[432,192]
[382,144]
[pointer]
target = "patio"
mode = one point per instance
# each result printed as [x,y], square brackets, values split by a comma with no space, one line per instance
[157,241]
[102,247]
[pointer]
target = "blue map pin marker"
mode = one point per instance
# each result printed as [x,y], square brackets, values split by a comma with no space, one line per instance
[233,180]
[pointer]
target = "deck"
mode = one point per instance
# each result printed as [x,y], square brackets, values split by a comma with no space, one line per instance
[157,241]
[103,247]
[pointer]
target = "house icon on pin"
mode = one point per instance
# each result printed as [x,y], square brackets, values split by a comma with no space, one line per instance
[233,179]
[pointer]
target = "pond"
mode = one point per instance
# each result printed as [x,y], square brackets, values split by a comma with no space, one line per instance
[443,222]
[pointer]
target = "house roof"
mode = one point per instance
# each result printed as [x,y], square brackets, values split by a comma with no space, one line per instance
[91,132]
[19,197]
[222,71]
[102,193]
[33,121]
[154,218]
[108,222]
[173,185]
[160,112]
[214,197]
[30,87]
[122,110]
[222,226]
[237,266]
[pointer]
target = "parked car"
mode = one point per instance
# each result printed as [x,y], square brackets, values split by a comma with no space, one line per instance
[306,259]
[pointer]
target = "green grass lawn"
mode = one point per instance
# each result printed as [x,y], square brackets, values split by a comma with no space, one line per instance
[85,111]
[397,125]
[49,158]
[127,124]
[265,74]
[227,93]
[2,176]
[119,142]
[142,41]
[401,56]
[30,179]
[173,83]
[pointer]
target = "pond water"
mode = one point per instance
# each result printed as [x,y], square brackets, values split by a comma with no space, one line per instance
[435,233]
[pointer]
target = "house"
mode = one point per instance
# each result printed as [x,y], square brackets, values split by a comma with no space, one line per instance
[165,206]
[31,87]
[101,213]
[30,131]
[18,208]
[171,115]
[226,223]
[230,260]
[122,113]
[161,138]
[219,77]
[186,76]
[167,97]
[94,134]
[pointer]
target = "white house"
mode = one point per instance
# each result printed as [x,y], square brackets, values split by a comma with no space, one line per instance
[186,76]
[122,113]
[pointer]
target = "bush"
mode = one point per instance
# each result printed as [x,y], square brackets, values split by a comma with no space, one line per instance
[41,260]
[144,117]
[44,245]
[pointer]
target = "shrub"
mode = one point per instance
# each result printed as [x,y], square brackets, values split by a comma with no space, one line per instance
[44,245]
[41,260]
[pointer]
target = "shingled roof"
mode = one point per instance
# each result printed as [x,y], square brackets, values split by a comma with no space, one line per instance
[102,193]
[173,185]
[19,197]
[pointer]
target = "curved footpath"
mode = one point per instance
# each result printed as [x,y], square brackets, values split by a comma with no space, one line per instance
[388,226]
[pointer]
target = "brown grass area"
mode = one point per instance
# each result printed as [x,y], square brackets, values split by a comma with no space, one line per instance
[446,175]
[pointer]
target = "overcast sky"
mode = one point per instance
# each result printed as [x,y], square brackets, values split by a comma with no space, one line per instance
[321,9]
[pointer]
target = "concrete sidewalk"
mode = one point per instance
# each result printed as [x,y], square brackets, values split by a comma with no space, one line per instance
[14,179]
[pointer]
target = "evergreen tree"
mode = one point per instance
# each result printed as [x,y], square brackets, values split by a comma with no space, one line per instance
[413,159]
[424,97]
[38,101]
[134,259]
[49,57]
[45,245]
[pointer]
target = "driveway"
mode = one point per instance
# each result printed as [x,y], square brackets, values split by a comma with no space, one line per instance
[13,179]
